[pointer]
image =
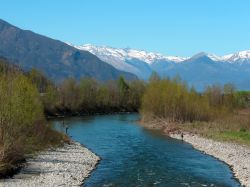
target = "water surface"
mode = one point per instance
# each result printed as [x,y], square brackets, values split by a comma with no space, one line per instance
[133,156]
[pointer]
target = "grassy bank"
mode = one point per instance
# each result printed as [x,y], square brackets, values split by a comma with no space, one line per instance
[233,128]
[219,112]
[227,130]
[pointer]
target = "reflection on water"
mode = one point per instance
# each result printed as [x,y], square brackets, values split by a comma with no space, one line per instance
[133,156]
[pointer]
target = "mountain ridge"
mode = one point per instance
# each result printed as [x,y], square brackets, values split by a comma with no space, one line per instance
[200,70]
[154,56]
[54,58]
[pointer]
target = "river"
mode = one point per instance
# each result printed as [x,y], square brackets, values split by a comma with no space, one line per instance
[134,156]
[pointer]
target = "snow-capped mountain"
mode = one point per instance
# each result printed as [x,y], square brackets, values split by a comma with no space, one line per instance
[200,70]
[151,57]
[138,62]
[123,54]
[240,57]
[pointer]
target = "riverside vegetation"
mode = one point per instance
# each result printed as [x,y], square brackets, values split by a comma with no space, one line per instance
[89,96]
[27,98]
[219,112]
[23,128]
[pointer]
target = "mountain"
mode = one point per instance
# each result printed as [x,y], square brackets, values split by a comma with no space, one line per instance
[242,57]
[200,70]
[130,60]
[54,58]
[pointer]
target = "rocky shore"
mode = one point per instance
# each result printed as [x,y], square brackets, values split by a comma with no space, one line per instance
[65,166]
[236,156]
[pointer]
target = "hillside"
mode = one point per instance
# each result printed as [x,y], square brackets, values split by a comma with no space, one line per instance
[199,70]
[54,58]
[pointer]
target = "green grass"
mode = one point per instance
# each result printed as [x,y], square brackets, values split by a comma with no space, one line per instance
[220,131]
[236,136]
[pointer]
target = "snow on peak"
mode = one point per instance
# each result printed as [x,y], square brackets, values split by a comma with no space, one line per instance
[150,57]
[123,54]
[105,53]
[215,57]
[102,50]
[209,55]
[238,57]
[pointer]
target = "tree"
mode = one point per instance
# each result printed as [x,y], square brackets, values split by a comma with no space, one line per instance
[39,80]
[172,100]
[137,88]
[123,91]
[154,77]
[21,109]
[88,90]
[229,96]
[69,95]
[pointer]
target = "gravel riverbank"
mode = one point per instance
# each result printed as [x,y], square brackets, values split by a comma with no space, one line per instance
[236,156]
[65,166]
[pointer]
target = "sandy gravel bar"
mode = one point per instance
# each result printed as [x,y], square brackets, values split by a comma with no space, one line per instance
[65,166]
[236,156]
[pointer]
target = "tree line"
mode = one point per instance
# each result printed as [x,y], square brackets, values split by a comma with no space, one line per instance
[26,98]
[174,101]
[89,96]
[166,98]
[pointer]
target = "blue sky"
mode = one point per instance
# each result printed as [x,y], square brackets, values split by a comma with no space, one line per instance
[172,27]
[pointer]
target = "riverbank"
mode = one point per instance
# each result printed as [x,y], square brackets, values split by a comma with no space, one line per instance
[65,166]
[61,115]
[235,155]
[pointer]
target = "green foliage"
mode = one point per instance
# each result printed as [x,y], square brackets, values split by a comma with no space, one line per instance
[88,93]
[90,96]
[49,98]
[23,128]
[154,77]
[20,106]
[242,98]
[39,80]
[136,91]
[219,112]
[69,94]
[123,91]
[237,136]
[172,100]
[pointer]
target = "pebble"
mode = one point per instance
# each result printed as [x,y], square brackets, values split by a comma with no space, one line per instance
[236,156]
[65,166]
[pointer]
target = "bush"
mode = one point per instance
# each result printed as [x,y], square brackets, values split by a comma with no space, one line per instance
[172,100]
[23,128]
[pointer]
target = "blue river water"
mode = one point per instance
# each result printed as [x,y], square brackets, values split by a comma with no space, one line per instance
[134,156]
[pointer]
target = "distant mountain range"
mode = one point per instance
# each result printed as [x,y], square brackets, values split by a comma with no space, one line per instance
[59,60]
[199,70]
[54,58]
